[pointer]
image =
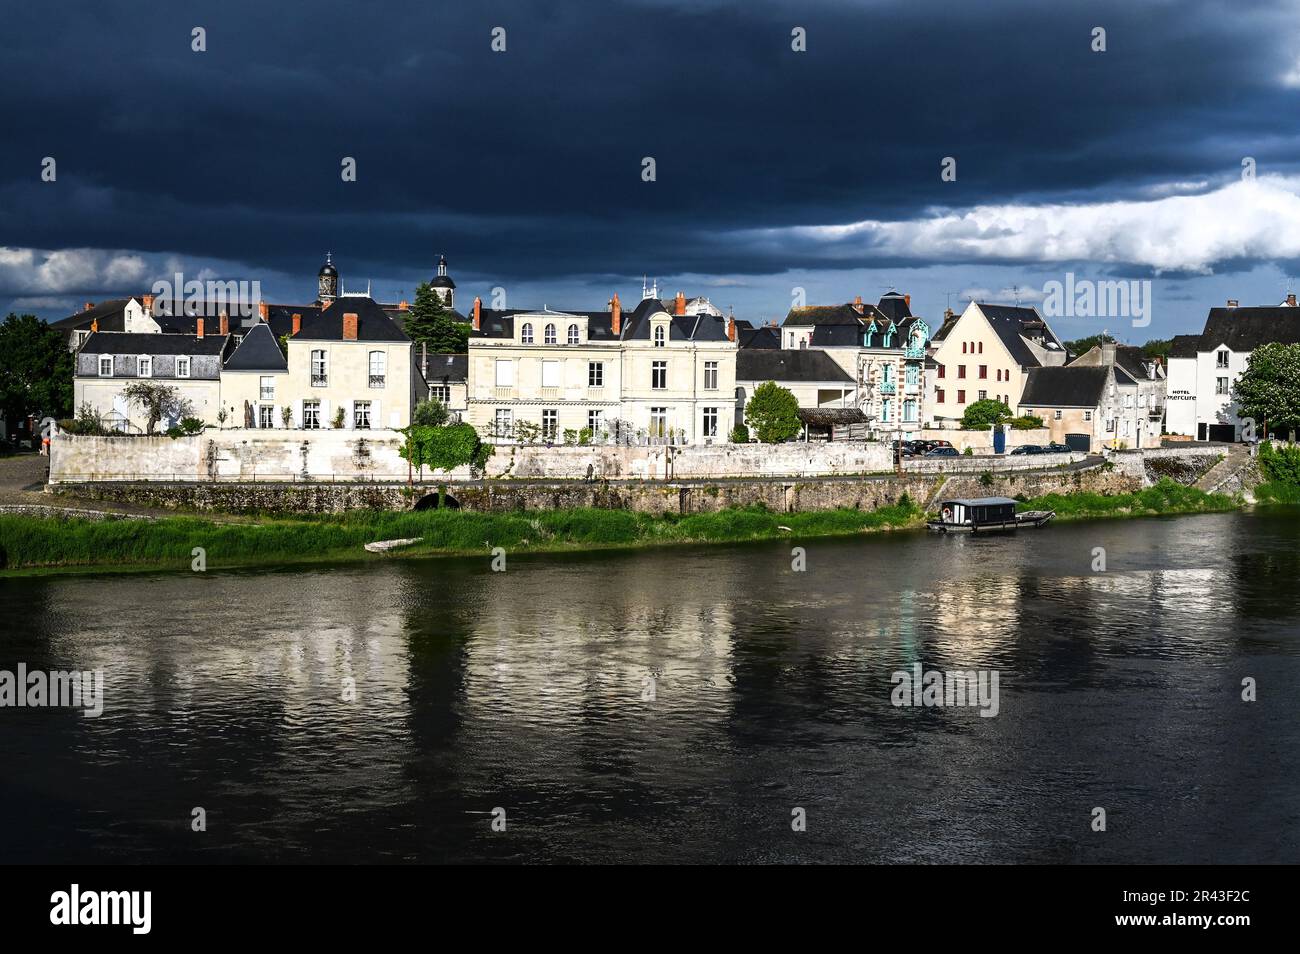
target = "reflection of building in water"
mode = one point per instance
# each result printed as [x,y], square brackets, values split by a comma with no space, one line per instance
[974,618]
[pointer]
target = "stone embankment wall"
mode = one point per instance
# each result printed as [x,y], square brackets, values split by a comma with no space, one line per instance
[1184,465]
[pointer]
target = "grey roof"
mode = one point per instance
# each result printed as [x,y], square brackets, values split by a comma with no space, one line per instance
[259,351]
[1184,346]
[980,501]
[761,364]
[1072,386]
[1245,329]
[121,342]
[111,316]
[826,416]
[894,306]
[635,324]
[373,323]
[447,367]
[1011,322]
[758,337]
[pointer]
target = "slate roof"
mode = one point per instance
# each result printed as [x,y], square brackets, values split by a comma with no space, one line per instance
[110,314]
[259,351]
[1245,329]
[373,323]
[764,337]
[121,342]
[1013,323]
[760,364]
[894,306]
[447,367]
[1184,346]
[1072,386]
[825,416]
[636,324]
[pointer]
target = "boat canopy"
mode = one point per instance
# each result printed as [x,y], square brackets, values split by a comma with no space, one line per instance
[979,501]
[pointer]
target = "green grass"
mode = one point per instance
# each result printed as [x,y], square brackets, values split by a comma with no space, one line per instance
[1278,492]
[1165,497]
[28,543]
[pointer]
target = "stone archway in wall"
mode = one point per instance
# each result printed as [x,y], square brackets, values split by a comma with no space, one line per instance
[431,502]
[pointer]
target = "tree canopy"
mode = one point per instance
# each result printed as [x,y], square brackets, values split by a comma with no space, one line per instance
[445,448]
[772,413]
[1269,389]
[432,323]
[36,369]
[984,414]
[157,401]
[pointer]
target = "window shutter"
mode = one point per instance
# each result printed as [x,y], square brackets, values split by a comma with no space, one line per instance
[376,421]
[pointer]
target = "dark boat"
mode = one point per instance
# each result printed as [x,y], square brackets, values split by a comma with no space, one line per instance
[979,514]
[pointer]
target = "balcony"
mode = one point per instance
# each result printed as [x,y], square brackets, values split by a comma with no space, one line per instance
[887,387]
[319,380]
[377,380]
[1156,414]
[914,354]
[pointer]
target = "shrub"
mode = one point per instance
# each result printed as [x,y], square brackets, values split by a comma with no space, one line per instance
[969,452]
[339,417]
[739,434]
[984,414]
[772,413]
[986,479]
[1025,422]
[430,413]
[1280,464]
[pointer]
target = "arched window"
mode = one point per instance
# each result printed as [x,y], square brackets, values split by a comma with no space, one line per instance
[963,347]
[981,347]
[573,334]
[550,335]
[526,335]
[659,337]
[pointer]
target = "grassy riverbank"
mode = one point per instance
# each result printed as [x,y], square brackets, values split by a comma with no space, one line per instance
[38,544]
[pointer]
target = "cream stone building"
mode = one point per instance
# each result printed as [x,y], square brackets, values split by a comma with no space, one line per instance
[655,374]
[987,352]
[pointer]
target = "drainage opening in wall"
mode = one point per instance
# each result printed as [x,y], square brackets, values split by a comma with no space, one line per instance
[430,502]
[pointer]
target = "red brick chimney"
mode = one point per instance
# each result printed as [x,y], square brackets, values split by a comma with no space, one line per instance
[731,329]
[349,326]
[857,304]
[616,315]
[94,324]
[223,323]
[907,300]
[147,301]
[297,324]
[87,306]
[679,304]
[478,313]
[403,306]
[198,324]
[1290,299]
[264,309]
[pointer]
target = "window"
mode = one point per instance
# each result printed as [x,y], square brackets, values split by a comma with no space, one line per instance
[983,396]
[659,375]
[182,367]
[940,374]
[887,374]
[573,334]
[659,336]
[913,374]
[961,370]
[658,421]
[1128,400]
[550,419]
[505,373]
[909,411]
[710,422]
[550,335]
[319,371]
[1087,416]
[1110,425]
[710,375]
[1221,359]
[550,374]
[886,411]
[265,416]
[81,337]
[938,395]
[504,421]
[526,333]
[377,362]
[311,415]
[440,392]
[981,347]
[595,374]
[594,421]
[144,367]
[361,415]
[1220,385]
[984,371]
[961,397]
[266,388]
[963,347]
[105,365]
[1056,415]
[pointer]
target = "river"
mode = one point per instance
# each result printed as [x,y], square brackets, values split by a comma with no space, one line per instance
[676,704]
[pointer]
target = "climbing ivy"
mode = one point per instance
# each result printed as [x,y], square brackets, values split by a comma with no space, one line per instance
[445,448]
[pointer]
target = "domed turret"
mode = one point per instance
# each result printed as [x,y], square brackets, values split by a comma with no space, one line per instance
[327,281]
[442,282]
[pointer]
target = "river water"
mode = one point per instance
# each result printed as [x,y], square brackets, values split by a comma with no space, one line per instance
[676,704]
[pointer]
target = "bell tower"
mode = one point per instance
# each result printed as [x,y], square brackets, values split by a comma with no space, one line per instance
[327,281]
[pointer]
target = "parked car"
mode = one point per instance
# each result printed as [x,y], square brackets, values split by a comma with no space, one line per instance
[1027,449]
[904,449]
[1057,448]
[948,451]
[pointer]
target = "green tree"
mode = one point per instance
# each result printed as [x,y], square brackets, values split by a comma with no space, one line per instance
[1082,345]
[772,413]
[1158,348]
[445,448]
[430,413]
[36,369]
[1269,389]
[157,401]
[431,322]
[984,414]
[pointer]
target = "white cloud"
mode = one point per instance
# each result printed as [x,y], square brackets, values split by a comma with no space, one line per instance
[1255,220]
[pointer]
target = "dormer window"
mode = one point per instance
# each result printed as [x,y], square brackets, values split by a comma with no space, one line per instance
[573,334]
[182,367]
[550,334]
[144,366]
[105,365]
[660,336]
[1221,359]
[526,333]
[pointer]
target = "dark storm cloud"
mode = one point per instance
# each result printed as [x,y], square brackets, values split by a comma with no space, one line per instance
[527,164]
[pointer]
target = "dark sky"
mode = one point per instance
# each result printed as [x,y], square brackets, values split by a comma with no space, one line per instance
[776,170]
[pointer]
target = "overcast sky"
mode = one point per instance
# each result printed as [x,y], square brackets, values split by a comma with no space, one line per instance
[775,170]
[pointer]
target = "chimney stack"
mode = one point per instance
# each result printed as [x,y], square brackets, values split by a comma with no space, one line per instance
[297,324]
[1290,299]
[349,326]
[87,306]
[198,325]
[94,324]
[264,309]
[731,329]
[147,301]
[403,305]
[224,323]
[679,304]
[478,313]
[616,319]
[1233,303]
[907,300]
[857,304]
